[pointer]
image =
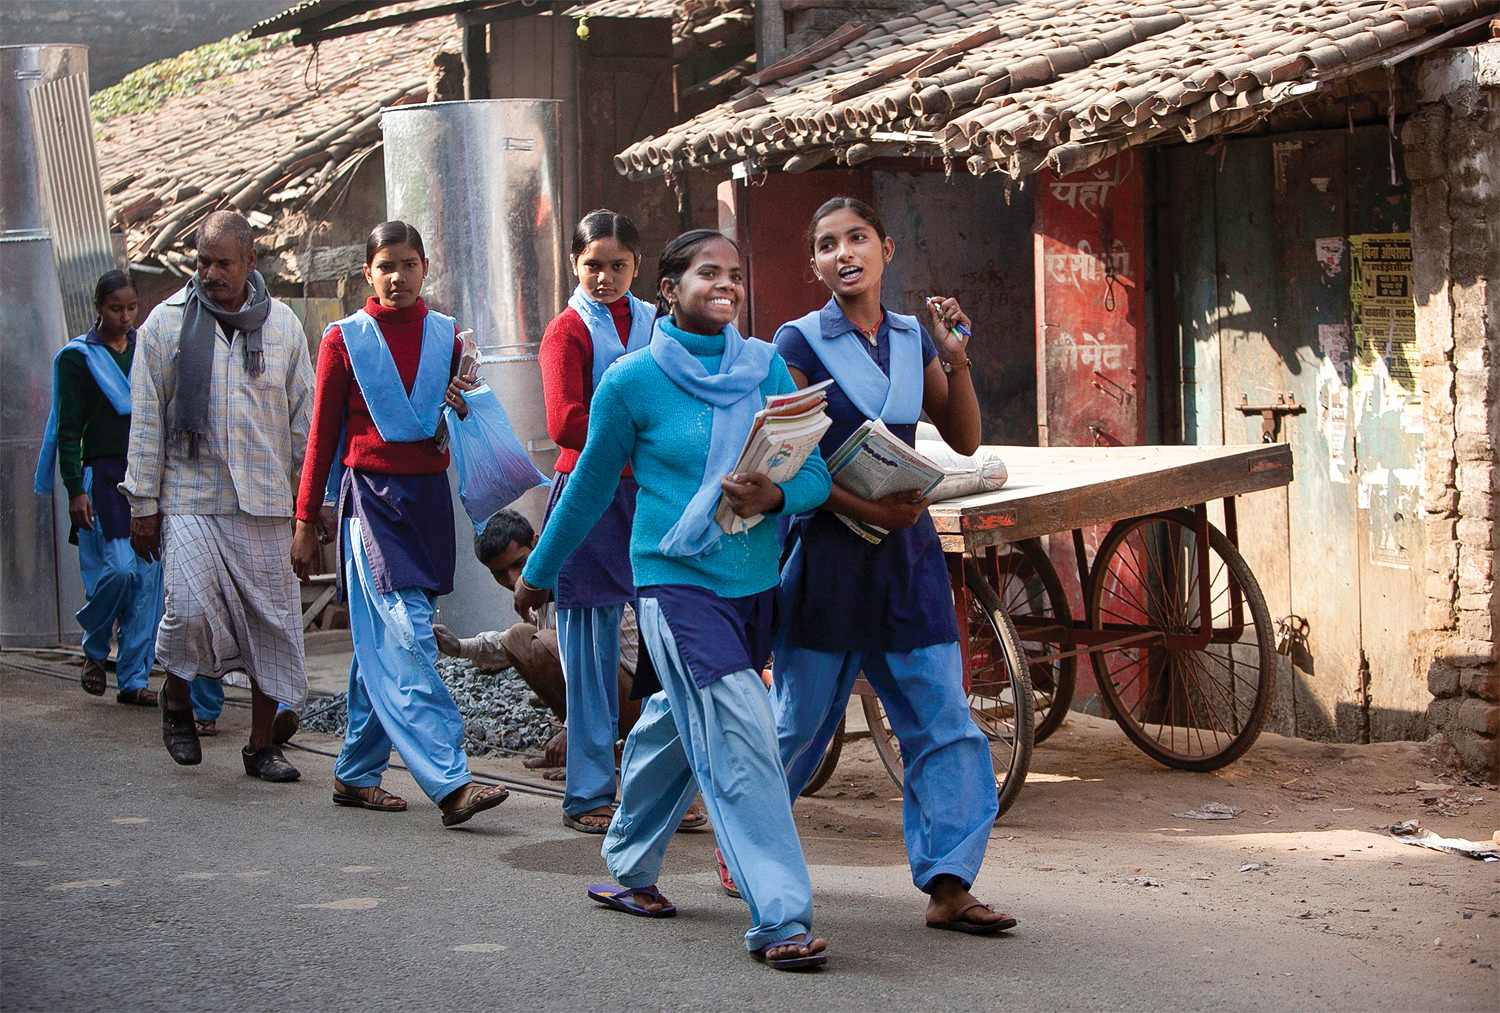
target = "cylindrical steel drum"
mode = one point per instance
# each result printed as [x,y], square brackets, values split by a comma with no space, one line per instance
[32,329]
[482,182]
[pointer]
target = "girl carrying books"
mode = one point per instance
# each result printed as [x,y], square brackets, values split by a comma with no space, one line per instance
[885,608]
[603,321]
[383,376]
[678,413]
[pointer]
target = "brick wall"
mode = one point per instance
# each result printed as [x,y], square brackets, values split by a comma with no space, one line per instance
[1452,147]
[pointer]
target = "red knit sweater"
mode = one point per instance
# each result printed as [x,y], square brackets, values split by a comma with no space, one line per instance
[567,360]
[338,403]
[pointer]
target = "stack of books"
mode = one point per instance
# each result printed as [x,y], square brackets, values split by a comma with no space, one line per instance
[785,434]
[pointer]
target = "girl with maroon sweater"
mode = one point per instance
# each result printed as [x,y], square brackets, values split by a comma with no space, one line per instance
[382,378]
[602,322]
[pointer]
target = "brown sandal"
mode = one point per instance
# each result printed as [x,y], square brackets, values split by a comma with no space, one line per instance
[372,797]
[208,728]
[474,799]
[92,678]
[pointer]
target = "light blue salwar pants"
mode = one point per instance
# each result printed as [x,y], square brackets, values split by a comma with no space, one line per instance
[948,783]
[208,698]
[396,697]
[121,587]
[588,641]
[724,736]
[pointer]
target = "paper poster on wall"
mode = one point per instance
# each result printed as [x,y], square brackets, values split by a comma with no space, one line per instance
[1380,293]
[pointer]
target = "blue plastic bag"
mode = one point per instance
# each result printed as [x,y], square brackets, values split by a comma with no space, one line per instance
[493,468]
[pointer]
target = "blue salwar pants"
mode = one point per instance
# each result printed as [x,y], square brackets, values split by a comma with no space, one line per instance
[396,697]
[724,736]
[208,698]
[121,587]
[948,785]
[588,640]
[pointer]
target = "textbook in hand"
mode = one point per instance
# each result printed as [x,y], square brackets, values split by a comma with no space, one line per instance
[785,433]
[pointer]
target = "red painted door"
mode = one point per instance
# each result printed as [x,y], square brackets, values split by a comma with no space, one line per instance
[770,216]
[1090,342]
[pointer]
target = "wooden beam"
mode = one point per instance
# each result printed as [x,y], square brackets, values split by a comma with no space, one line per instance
[804,58]
[476,56]
[306,37]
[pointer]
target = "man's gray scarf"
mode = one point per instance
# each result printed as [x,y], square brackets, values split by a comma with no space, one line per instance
[195,355]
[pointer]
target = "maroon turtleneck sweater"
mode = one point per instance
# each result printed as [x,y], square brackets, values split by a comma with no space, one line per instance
[567,361]
[338,404]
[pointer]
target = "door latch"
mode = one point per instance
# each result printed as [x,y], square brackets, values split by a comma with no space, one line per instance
[1270,415]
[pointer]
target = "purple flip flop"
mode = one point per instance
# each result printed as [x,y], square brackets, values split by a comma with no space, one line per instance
[791,963]
[619,898]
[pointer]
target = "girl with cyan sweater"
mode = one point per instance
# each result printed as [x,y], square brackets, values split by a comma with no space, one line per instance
[383,375]
[678,413]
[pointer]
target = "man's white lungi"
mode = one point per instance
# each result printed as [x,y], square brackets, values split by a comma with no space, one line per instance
[232,603]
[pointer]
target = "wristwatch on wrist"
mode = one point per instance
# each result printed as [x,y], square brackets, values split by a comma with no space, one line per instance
[954,367]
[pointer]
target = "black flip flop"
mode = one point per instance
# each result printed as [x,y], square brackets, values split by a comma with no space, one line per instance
[464,813]
[576,823]
[974,928]
[806,963]
[611,897]
[691,824]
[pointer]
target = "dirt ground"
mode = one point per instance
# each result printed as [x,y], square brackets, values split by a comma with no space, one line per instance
[1311,853]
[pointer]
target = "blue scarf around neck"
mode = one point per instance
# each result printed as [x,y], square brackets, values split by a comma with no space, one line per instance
[734,393]
[112,381]
[601,324]
[895,399]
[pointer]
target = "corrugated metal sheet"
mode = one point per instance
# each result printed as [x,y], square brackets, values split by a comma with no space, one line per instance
[73,196]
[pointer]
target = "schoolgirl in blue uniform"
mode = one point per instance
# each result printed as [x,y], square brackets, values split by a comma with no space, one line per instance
[885,608]
[679,412]
[602,322]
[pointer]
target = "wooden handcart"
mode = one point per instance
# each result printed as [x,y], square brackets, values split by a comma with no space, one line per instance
[1171,618]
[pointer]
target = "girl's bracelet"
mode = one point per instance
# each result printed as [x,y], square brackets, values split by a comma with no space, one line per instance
[525,586]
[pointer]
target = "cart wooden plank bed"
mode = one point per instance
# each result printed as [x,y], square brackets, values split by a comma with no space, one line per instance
[1171,618]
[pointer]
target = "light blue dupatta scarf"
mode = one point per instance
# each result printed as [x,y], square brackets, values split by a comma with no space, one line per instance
[398,418]
[895,399]
[601,324]
[734,393]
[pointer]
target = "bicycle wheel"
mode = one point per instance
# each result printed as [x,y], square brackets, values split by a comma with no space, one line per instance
[1028,585]
[1001,699]
[1000,694]
[1194,709]
[824,769]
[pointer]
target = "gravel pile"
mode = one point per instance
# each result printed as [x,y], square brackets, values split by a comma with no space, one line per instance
[497,716]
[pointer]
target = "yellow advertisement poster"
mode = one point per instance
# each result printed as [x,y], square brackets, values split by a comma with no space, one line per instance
[1385,319]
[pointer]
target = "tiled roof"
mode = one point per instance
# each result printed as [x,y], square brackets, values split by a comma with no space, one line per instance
[273,138]
[1015,85]
[278,137]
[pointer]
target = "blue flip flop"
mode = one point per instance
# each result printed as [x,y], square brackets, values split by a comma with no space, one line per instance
[791,963]
[618,898]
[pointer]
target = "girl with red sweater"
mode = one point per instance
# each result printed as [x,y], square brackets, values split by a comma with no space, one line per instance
[602,322]
[382,378]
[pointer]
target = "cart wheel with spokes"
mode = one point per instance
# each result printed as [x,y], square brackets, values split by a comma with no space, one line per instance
[1000,694]
[824,770]
[1028,585]
[1195,709]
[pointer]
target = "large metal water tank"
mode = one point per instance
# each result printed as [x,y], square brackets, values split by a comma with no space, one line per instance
[482,182]
[32,328]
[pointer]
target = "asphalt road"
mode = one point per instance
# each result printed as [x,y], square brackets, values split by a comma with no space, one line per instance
[132,884]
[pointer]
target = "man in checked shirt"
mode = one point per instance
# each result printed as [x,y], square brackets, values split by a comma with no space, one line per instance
[221,396]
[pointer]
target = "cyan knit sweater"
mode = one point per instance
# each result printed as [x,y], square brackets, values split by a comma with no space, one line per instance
[639,415]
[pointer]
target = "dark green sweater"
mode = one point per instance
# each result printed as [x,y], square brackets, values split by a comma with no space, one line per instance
[87,426]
